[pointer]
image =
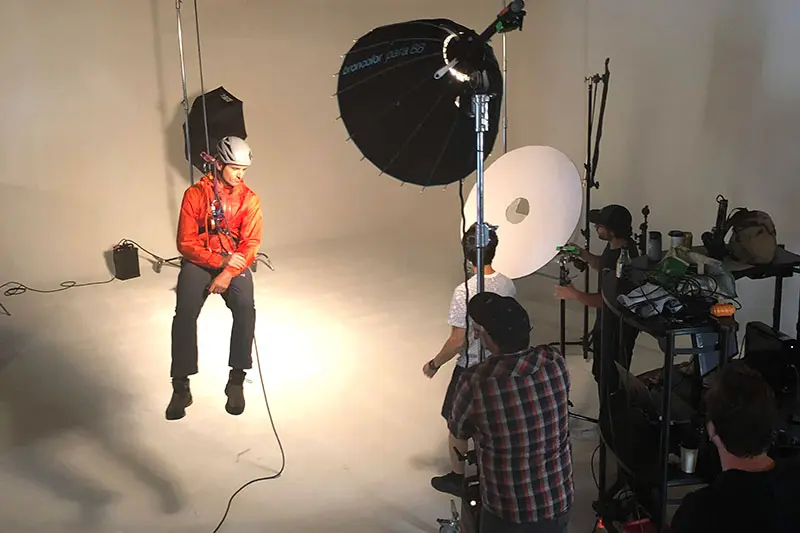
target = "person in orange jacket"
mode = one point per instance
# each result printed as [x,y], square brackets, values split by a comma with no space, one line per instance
[219,235]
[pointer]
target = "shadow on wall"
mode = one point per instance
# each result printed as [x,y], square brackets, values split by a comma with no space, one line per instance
[48,394]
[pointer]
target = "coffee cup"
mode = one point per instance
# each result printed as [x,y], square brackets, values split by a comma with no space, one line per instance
[676,238]
[688,459]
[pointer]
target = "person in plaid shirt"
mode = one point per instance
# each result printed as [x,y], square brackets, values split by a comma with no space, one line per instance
[514,406]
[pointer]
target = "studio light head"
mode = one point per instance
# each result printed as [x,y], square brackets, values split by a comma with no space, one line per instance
[404,95]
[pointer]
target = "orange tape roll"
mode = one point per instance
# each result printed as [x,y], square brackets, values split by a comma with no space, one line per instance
[720,310]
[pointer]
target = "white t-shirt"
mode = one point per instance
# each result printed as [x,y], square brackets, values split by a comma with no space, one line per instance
[496,283]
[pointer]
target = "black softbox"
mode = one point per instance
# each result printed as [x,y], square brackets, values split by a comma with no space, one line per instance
[225,115]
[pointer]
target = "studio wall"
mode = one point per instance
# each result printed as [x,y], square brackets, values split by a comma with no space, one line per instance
[704,100]
[91,126]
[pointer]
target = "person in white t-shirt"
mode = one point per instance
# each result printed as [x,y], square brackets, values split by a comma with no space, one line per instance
[455,345]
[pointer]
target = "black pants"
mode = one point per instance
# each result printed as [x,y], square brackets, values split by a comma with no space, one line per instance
[452,390]
[494,524]
[618,349]
[192,291]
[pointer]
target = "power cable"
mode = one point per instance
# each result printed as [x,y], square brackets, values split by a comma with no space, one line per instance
[277,438]
[15,288]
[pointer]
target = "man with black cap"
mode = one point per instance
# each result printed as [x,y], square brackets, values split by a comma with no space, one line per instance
[514,406]
[613,224]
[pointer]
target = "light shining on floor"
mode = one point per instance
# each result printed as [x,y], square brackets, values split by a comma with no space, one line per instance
[342,333]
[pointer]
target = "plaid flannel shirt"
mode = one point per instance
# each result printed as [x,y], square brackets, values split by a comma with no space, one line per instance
[515,408]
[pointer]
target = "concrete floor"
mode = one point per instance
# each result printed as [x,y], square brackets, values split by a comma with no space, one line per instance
[343,332]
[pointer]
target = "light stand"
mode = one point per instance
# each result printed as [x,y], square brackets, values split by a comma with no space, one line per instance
[563,280]
[509,19]
[567,254]
[505,90]
[480,106]
[592,158]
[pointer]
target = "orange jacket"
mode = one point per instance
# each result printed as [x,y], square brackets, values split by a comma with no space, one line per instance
[242,209]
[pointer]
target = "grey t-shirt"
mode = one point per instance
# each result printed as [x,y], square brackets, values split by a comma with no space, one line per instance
[496,283]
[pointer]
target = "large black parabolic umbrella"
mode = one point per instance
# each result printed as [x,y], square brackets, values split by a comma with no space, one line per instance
[405,97]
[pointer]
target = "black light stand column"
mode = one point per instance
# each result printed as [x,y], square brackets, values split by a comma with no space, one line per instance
[592,158]
[563,280]
[797,326]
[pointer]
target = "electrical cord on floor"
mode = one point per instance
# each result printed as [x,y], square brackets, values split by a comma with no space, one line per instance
[266,260]
[277,438]
[591,466]
[15,288]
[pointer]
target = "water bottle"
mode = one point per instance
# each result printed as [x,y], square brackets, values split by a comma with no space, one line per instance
[623,263]
[654,246]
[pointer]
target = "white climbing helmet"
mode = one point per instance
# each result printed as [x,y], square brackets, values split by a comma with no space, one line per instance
[234,151]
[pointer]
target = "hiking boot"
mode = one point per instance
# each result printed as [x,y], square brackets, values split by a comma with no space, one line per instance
[181,399]
[234,390]
[451,483]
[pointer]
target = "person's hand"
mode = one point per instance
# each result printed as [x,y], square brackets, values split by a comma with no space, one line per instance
[236,260]
[429,370]
[581,250]
[566,292]
[220,284]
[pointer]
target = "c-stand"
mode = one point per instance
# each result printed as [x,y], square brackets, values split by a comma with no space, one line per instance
[569,254]
[592,159]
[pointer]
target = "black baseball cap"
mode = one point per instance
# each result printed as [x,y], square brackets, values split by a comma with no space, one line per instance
[615,217]
[503,319]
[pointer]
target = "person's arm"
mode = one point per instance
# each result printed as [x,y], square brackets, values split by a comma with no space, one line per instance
[457,319]
[590,299]
[190,244]
[451,348]
[249,235]
[587,257]
[590,259]
[460,423]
